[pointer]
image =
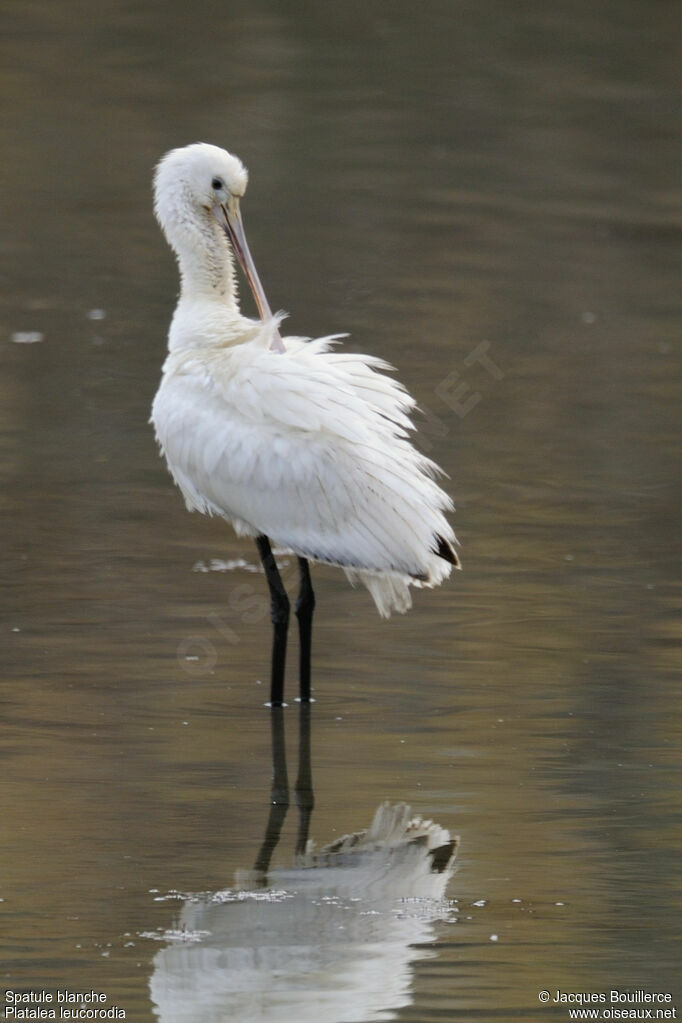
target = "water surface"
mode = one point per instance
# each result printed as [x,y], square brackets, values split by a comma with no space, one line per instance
[484,194]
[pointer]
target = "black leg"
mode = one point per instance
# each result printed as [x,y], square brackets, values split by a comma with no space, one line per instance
[279,612]
[305,605]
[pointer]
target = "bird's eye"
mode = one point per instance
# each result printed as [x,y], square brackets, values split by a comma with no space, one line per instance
[217,183]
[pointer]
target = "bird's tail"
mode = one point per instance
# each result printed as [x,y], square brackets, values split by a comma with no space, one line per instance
[389,592]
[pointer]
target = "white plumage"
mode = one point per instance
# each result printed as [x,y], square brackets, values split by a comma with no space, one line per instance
[292,440]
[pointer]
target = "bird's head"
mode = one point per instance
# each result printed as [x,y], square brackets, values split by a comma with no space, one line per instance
[196,187]
[194,180]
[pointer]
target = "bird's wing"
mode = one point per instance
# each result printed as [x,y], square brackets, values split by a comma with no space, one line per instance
[313,388]
[310,448]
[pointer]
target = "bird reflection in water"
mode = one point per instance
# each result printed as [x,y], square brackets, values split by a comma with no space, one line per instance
[330,940]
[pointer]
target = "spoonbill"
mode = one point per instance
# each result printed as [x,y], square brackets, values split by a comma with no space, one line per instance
[289,440]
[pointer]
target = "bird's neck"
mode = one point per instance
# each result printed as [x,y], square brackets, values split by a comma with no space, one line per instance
[206,265]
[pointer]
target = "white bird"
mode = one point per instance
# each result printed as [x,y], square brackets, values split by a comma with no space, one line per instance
[288,440]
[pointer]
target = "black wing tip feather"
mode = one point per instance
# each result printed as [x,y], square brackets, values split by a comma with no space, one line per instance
[446,551]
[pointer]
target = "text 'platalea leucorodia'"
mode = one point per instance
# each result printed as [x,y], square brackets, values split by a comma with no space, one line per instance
[289,440]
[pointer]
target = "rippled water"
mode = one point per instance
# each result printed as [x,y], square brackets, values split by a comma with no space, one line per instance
[484,194]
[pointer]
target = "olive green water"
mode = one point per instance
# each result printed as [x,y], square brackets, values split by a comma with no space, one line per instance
[484,194]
